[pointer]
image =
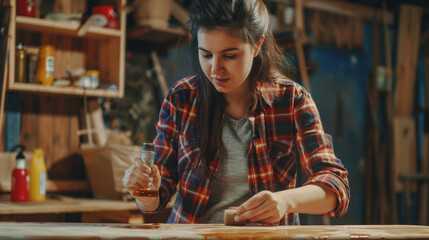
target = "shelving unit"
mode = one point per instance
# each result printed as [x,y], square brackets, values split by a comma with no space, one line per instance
[101,49]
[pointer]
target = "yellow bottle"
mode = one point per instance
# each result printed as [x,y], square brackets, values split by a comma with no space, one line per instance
[37,177]
[46,65]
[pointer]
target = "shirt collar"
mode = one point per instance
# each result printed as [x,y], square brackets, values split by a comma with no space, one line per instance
[266,92]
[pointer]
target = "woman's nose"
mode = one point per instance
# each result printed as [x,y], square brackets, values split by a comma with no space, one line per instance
[217,65]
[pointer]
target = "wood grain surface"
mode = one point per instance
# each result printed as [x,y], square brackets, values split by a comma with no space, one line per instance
[206,231]
[64,205]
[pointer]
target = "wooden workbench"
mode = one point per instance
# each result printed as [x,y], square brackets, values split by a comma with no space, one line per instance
[205,231]
[61,209]
[62,204]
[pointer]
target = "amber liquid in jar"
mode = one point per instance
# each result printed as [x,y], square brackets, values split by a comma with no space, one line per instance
[145,192]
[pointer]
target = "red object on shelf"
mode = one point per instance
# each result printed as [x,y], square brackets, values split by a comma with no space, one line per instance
[109,13]
[25,8]
[19,191]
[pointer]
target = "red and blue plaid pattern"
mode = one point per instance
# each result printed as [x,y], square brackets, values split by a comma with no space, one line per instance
[285,122]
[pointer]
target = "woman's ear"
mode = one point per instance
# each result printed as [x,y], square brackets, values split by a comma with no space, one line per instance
[259,45]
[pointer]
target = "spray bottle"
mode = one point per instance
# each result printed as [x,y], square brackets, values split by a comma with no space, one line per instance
[19,191]
[37,177]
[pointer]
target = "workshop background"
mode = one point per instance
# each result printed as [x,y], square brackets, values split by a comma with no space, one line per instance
[366,64]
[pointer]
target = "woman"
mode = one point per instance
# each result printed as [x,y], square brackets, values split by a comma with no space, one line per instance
[227,135]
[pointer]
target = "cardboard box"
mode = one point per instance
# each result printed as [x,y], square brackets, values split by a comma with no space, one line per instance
[106,167]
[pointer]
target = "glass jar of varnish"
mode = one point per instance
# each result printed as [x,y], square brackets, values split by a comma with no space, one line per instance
[147,156]
[45,65]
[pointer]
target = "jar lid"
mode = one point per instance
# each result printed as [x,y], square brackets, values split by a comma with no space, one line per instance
[148,146]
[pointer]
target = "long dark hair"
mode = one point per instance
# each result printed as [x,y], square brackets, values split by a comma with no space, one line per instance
[249,19]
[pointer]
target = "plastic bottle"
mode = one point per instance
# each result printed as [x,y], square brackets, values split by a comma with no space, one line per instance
[147,156]
[46,63]
[19,192]
[20,63]
[37,177]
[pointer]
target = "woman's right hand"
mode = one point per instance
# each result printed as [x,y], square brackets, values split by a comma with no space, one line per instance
[140,175]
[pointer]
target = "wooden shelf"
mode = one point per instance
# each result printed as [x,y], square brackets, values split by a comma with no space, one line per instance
[76,91]
[54,27]
[101,49]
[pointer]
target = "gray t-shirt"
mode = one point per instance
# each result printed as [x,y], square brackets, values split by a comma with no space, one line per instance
[230,186]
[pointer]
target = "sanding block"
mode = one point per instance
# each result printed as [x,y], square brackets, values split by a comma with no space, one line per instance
[228,217]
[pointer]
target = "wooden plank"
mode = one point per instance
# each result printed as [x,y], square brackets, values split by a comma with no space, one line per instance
[75,108]
[55,27]
[29,121]
[344,8]
[408,45]
[299,45]
[61,129]
[69,6]
[359,33]
[2,113]
[113,63]
[12,43]
[65,205]
[7,63]
[404,158]
[77,54]
[63,50]
[72,91]
[45,125]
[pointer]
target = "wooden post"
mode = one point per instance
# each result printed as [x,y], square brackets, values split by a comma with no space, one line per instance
[299,44]
[404,159]
[406,66]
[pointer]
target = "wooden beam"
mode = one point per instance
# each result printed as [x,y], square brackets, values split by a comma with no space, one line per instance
[344,8]
[299,44]
[404,158]
[410,18]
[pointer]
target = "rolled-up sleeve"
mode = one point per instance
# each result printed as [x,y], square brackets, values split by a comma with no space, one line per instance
[317,156]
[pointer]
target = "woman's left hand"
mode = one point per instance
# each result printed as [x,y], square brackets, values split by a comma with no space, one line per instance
[264,207]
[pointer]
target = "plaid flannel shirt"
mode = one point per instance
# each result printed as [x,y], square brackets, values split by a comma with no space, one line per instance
[285,120]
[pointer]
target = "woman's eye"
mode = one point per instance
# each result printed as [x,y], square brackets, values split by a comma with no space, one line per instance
[230,56]
[207,55]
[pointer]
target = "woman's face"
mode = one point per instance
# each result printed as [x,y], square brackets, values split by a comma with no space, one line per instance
[225,59]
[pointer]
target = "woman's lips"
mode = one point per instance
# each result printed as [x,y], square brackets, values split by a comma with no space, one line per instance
[220,81]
